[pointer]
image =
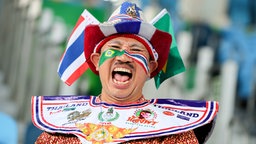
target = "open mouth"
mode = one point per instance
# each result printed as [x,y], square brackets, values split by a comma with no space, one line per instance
[121,75]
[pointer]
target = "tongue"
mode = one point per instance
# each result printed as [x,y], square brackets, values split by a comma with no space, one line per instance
[121,78]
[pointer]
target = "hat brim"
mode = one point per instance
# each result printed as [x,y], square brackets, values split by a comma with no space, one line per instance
[160,40]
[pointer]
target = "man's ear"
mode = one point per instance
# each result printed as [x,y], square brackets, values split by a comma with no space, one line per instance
[152,66]
[95,59]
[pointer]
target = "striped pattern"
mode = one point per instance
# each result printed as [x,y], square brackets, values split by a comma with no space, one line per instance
[209,114]
[38,118]
[73,63]
[206,111]
[141,59]
[123,17]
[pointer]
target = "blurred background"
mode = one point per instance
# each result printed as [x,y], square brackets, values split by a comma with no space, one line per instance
[216,39]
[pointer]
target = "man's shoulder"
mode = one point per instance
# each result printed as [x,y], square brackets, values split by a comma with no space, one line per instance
[46,137]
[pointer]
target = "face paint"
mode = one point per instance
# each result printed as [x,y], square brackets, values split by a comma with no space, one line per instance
[140,59]
[111,53]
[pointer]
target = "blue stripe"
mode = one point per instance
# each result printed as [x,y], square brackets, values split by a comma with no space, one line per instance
[75,50]
[179,102]
[139,57]
[67,97]
[128,27]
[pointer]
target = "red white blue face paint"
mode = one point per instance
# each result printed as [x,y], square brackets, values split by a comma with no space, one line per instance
[141,59]
[111,53]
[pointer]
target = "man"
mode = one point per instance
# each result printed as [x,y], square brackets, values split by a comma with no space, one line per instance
[125,52]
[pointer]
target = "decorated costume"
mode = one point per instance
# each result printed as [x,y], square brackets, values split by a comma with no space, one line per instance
[94,121]
[87,119]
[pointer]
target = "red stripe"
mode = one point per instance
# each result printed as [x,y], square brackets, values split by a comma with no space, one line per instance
[80,20]
[33,112]
[162,48]
[77,73]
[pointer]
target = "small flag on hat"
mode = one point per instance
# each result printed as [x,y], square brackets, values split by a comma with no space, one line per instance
[174,65]
[73,62]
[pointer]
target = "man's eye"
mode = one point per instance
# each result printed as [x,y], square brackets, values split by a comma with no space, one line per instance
[135,50]
[115,47]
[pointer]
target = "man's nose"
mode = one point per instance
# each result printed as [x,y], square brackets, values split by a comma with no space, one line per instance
[124,58]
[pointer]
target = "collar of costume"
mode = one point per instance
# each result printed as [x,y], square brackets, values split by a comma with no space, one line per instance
[94,121]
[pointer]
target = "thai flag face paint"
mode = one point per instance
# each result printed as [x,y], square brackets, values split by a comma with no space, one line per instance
[141,59]
[111,53]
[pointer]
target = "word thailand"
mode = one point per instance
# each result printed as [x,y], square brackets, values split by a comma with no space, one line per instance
[51,108]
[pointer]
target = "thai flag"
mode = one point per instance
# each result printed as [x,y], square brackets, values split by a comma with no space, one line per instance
[73,62]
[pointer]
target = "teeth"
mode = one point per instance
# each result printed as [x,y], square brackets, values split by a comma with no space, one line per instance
[118,82]
[122,70]
[121,79]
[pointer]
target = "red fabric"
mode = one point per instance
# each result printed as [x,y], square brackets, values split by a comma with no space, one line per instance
[162,43]
[182,138]
[92,37]
[47,138]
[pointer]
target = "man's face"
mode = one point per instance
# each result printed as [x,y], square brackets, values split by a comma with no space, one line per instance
[122,76]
